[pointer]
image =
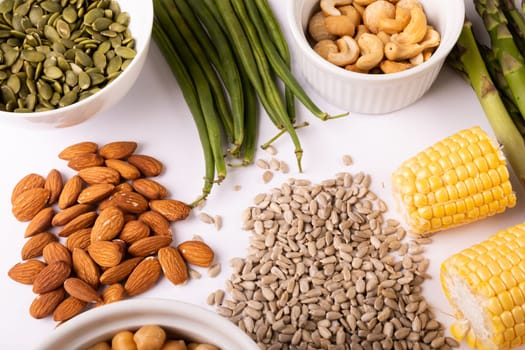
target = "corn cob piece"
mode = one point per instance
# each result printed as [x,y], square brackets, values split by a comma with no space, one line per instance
[485,285]
[458,180]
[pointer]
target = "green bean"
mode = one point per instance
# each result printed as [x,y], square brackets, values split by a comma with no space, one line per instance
[250,121]
[203,88]
[270,88]
[280,66]
[224,60]
[190,95]
[200,56]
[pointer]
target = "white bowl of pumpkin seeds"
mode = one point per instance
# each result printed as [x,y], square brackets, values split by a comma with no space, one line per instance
[62,62]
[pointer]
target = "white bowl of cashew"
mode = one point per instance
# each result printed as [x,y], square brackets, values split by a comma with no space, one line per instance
[369,93]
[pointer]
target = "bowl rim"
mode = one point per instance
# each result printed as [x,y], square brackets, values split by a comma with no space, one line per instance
[141,46]
[124,313]
[300,40]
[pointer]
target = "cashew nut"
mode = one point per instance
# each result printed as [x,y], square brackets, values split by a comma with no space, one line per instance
[351,11]
[396,24]
[371,51]
[361,29]
[375,12]
[408,4]
[363,2]
[329,6]
[416,28]
[417,59]
[388,66]
[348,52]
[324,47]
[317,28]
[353,68]
[395,51]
[340,25]
[385,38]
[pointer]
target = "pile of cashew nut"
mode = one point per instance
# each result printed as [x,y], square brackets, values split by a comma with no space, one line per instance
[373,36]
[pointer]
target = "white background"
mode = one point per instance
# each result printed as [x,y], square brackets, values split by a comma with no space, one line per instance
[155,115]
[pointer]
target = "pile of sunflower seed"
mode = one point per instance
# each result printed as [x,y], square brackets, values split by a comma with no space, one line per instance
[326,270]
[54,53]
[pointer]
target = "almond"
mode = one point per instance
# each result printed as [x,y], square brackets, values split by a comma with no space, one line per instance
[56,251]
[119,272]
[149,245]
[126,170]
[108,225]
[44,304]
[74,150]
[118,149]
[144,276]
[34,246]
[51,277]
[79,239]
[95,193]
[147,165]
[63,217]
[85,267]
[81,290]
[25,272]
[114,292]
[85,161]
[131,202]
[99,175]
[27,182]
[134,230]
[68,308]
[124,186]
[82,221]
[173,265]
[156,222]
[28,203]
[171,209]
[150,189]
[40,222]
[54,184]
[196,253]
[70,192]
[105,253]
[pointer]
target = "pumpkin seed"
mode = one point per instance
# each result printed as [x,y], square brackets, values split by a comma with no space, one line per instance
[63,28]
[101,23]
[70,14]
[53,72]
[51,6]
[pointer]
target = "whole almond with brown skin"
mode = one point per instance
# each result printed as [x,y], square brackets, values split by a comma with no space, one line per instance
[173,265]
[108,224]
[124,186]
[51,277]
[25,272]
[118,149]
[119,272]
[156,222]
[99,175]
[56,251]
[40,222]
[79,239]
[70,192]
[196,253]
[82,221]
[126,170]
[133,231]
[54,183]
[68,308]
[28,203]
[172,209]
[144,276]
[85,161]
[27,182]
[149,245]
[131,202]
[85,267]
[112,293]
[45,304]
[150,189]
[95,193]
[105,253]
[147,165]
[34,246]
[64,216]
[81,290]
[76,149]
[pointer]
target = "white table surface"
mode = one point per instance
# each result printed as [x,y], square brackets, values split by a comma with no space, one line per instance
[155,115]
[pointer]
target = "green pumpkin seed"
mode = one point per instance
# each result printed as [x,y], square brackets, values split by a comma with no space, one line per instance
[51,34]
[71,79]
[114,65]
[51,6]
[101,23]
[70,14]
[125,52]
[93,15]
[62,63]
[14,83]
[6,6]
[53,72]
[3,75]
[8,95]
[83,59]
[109,33]
[68,98]
[114,6]
[84,81]
[17,65]
[33,56]
[123,18]
[30,102]
[97,78]
[63,28]
[44,90]
[29,70]
[35,14]
[23,9]
[55,98]
[11,56]
[99,59]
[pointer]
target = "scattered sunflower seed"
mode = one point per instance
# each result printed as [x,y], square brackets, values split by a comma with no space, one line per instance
[214,270]
[347,160]
[267,176]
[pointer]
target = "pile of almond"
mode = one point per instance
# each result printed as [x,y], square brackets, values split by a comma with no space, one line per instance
[103,234]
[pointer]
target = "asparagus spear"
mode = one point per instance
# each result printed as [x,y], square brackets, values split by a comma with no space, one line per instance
[472,65]
[516,23]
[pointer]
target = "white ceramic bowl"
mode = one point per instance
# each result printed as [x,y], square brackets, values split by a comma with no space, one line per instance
[178,318]
[141,24]
[372,93]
